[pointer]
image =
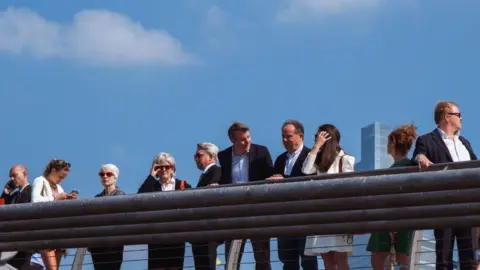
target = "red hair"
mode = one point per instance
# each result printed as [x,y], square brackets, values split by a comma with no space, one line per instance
[402,138]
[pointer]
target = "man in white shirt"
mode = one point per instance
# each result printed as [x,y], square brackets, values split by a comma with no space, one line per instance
[444,144]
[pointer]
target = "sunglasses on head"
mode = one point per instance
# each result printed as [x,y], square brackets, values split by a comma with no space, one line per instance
[108,174]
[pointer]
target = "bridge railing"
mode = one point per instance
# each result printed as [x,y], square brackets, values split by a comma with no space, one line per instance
[355,203]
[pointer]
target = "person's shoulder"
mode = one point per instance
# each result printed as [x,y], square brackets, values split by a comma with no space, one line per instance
[39,179]
[348,158]
[259,147]
[215,167]
[28,188]
[406,162]
[224,151]
[119,192]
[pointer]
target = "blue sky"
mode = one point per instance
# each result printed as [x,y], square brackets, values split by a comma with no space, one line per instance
[99,82]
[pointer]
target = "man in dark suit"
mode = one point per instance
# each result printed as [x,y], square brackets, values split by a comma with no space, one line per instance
[442,145]
[289,164]
[18,180]
[246,162]
[205,253]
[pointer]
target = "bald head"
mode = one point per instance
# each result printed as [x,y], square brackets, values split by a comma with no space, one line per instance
[18,174]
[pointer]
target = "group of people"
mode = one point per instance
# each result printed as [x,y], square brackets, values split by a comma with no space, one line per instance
[244,162]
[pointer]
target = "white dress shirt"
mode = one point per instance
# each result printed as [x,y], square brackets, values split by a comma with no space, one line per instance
[291,159]
[169,186]
[457,150]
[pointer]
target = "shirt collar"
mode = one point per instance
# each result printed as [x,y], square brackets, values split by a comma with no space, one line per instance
[171,182]
[208,167]
[444,135]
[24,187]
[297,152]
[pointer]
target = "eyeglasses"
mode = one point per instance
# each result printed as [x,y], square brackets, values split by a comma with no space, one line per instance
[108,174]
[459,115]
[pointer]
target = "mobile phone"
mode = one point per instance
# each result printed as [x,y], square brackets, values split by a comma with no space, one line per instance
[11,184]
[74,191]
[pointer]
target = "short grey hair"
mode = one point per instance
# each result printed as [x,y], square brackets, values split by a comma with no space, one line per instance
[209,148]
[165,157]
[111,167]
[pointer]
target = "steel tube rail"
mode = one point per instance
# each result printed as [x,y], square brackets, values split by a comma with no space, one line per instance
[387,171]
[402,213]
[346,187]
[275,208]
[218,235]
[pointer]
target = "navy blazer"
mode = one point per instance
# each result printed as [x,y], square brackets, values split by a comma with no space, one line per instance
[434,148]
[297,167]
[212,176]
[260,165]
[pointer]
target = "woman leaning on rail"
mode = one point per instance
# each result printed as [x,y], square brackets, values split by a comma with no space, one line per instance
[47,188]
[380,244]
[327,156]
[108,258]
[161,179]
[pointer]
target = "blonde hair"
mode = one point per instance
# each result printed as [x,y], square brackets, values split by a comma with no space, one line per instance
[55,164]
[442,108]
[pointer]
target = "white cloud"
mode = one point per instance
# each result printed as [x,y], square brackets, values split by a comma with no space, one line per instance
[94,36]
[308,10]
[221,28]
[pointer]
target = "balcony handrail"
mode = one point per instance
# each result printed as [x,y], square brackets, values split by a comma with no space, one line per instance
[456,185]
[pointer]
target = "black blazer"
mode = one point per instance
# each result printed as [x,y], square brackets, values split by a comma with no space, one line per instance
[153,185]
[212,176]
[25,196]
[297,167]
[434,148]
[260,165]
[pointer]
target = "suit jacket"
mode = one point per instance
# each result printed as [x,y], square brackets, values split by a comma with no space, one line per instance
[260,165]
[212,176]
[153,185]
[434,148]
[281,160]
[24,196]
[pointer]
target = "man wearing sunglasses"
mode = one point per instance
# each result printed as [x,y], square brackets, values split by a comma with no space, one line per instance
[444,144]
[205,254]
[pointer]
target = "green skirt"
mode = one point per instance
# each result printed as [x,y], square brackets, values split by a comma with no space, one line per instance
[381,242]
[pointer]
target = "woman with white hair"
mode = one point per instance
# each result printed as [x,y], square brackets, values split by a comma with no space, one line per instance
[161,179]
[108,258]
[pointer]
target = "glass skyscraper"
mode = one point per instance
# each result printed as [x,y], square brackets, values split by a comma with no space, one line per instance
[374,138]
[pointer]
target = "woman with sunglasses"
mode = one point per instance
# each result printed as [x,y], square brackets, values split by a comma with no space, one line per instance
[47,188]
[327,156]
[161,179]
[108,258]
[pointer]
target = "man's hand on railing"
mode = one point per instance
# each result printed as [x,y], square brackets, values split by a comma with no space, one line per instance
[213,185]
[423,161]
[275,177]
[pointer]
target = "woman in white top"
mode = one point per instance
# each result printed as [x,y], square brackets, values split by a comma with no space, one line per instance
[47,188]
[327,156]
